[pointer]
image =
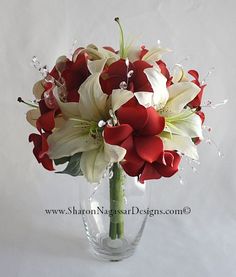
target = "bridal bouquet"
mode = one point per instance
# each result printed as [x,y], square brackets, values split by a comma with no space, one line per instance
[118,110]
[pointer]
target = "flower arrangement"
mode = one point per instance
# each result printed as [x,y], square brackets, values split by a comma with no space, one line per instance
[119,110]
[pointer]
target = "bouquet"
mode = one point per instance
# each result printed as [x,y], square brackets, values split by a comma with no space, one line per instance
[118,110]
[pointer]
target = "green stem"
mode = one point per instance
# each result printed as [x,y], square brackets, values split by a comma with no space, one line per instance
[116,202]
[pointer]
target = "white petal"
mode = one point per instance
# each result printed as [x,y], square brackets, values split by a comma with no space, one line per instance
[145,98]
[72,138]
[113,153]
[109,55]
[59,121]
[99,53]
[32,116]
[182,144]
[93,163]
[179,74]
[158,83]
[70,109]
[133,54]
[96,66]
[92,104]
[119,97]
[187,123]
[61,64]
[155,54]
[38,89]
[180,95]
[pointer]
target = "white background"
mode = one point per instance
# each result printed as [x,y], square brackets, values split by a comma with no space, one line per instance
[201,244]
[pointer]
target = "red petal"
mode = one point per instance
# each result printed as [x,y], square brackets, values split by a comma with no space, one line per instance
[118,68]
[117,134]
[44,145]
[131,154]
[131,168]
[164,69]
[149,148]
[154,125]
[54,73]
[47,163]
[109,49]
[143,51]
[133,102]
[194,73]
[35,138]
[75,73]
[73,96]
[37,141]
[135,116]
[140,79]
[196,102]
[42,106]
[169,82]
[196,141]
[114,75]
[149,173]
[169,158]
[40,150]
[171,166]
[46,121]
[202,116]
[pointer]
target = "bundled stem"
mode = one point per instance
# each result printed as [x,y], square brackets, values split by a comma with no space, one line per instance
[116,202]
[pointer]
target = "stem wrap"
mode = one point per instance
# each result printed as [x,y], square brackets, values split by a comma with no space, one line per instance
[116,202]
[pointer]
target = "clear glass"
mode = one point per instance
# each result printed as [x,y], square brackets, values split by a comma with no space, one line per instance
[96,205]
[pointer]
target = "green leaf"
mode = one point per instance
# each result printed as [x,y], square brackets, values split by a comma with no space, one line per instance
[73,167]
[61,160]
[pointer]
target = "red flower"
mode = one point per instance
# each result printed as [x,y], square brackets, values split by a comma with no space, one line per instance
[116,73]
[196,102]
[74,73]
[138,134]
[45,124]
[165,166]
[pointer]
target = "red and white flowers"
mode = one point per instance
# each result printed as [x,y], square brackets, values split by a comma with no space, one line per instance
[105,106]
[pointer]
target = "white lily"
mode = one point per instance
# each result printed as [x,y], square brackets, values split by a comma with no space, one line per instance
[182,123]
[81,132]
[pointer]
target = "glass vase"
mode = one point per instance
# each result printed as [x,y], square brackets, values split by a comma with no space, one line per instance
[114,213]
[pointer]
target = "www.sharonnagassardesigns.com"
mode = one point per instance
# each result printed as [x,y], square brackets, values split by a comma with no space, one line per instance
[134,210]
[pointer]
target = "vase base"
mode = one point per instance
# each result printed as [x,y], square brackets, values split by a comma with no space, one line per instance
[104,248]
